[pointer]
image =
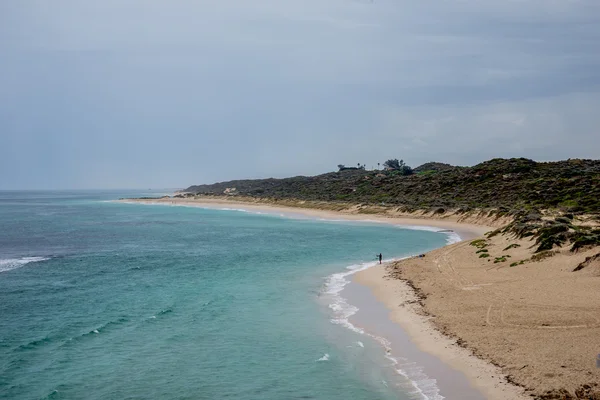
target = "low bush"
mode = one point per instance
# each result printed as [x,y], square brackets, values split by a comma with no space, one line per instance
[479,243]
[585,240]
[543,255]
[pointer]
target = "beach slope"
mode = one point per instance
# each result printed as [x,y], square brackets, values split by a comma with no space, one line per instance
[537,320]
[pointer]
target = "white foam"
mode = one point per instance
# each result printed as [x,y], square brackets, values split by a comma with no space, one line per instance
[234,209]
[421,385]
[360,343]
[453,237]
[324,358]
[14,263]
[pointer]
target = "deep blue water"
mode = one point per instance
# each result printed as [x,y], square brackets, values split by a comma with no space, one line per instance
[103,300]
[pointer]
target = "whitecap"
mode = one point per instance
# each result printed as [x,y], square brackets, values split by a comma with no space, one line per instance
[14,263]
[324,358]
[360,344]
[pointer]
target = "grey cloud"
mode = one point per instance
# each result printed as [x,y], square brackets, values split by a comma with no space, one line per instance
[153,93]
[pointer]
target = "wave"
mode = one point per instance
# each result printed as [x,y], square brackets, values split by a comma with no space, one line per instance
[102,328]
[14,263]
[453,237]
[35,343]
[62,341]
[236,209]
[54,394]
[324,358]
[163,312]
[185,205]
[421,384]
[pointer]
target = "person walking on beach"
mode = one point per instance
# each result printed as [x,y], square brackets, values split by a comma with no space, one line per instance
[380,258]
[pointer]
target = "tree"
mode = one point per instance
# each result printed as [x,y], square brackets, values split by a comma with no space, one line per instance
[394,164]
[341,166]
[406,170]
[399,166]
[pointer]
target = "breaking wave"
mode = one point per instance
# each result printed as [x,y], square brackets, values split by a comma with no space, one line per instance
[14,263]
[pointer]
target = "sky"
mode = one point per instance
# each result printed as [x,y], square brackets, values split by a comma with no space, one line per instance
[155,94]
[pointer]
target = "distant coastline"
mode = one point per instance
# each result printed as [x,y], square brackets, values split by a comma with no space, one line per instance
[466,228]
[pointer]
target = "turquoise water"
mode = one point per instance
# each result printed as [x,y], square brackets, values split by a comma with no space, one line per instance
[103,300]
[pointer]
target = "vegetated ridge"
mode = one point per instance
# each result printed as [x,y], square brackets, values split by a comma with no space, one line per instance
[506,184]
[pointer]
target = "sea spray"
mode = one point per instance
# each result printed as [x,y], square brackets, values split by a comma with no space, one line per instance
[14,263]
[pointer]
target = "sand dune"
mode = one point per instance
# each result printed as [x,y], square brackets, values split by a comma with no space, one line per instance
[538,321]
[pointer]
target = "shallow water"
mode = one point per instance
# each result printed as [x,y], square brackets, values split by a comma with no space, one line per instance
[107,300]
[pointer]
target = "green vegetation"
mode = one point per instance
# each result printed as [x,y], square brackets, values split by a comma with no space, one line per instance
[398,167]
[543,255]
[512,246]
[514,188]
[432,168]
[508,186]
[484,255]
[481,251]
[517,263]
[479,243]
[585,238]
[551,233]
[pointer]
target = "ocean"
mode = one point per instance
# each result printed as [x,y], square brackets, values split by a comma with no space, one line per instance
[106,300]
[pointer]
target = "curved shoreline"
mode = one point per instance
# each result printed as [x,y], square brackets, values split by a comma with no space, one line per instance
[464,230]
[484,377]
[402,308]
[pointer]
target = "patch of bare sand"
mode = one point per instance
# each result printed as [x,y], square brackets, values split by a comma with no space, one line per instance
[539,322]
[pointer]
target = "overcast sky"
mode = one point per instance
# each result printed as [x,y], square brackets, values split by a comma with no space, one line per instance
[145,93]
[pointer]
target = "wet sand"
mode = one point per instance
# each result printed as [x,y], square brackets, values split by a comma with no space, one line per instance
[428,370]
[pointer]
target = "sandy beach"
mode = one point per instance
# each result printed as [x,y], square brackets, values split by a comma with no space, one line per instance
[538,322]
[528,330]
[467,227]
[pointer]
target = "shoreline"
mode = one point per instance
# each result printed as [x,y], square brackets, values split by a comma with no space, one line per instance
[465,230]
[429,374]
[401,302]
[482,376]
